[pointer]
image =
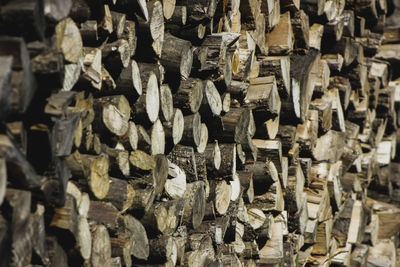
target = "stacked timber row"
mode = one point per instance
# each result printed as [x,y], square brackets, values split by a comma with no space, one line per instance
[199,133]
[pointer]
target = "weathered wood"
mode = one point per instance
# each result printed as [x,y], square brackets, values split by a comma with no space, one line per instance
[177,56]
[189,95]
[23,84]
[280,40]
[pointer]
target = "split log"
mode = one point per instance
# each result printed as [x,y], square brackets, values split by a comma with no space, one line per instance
[280,40]
[134,231]
[194,208]
[211,104]
[147,106]
[280,68]
[101,249]
[68,40]
[262,97]
[152,30]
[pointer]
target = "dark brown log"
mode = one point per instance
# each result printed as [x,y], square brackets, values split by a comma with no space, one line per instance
[5,84]
[144,194]
[121,247]
[178,17]
[128,82]
[246,181]
[228,160]
[162,250]
[146,108]
[103,213]
[66,218]
[116,56]
[89,34]
[264,174]
[238,90]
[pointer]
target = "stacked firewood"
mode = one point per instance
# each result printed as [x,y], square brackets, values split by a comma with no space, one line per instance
[199,133]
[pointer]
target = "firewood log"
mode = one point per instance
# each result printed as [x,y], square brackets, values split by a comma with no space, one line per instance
[193,212]
[211,104]
[189,95]
[57,254]
[262,96]
[280,40]
[94,169]
[166,103]
[316,32]
[21,233]
[101,249]
[26,16]
[280,68]
[19,171]
[235,125]
[113,114]
[264,174]
[192,130]
[151,29]
[183,157]
[177,56]
[23,83]
[134,231]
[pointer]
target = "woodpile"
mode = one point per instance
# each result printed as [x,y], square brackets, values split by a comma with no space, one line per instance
[199,133]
